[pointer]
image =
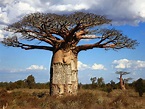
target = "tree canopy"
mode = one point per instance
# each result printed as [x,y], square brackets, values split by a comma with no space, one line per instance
[122,72]
[61,31]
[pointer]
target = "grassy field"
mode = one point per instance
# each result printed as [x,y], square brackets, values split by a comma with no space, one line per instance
[86,99]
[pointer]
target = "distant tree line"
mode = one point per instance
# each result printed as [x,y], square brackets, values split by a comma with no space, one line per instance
[29,82]
[96,83]
[100,84]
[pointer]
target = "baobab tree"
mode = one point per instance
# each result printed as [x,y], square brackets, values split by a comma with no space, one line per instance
[123,81]
[62,34]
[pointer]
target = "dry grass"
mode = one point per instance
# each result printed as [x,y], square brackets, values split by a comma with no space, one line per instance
[86,99]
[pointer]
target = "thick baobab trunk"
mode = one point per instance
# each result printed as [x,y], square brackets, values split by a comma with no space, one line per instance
[63,79]
[122,84]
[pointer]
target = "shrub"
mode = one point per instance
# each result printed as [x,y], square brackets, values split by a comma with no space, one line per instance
[140,87]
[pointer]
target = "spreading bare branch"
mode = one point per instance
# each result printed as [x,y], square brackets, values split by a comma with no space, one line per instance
[13,41]
[110,39]
[69,29]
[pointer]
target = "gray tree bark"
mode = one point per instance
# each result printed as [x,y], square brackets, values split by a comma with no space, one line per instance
[63,79]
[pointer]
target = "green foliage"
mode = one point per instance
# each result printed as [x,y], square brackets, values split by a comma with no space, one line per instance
[100,82]
[113,85]
[140,86]
[97,82]
[30,81]
[109,87]
[93,80]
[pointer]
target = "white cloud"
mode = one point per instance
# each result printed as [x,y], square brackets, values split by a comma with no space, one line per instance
[11,12]
[98,67]
[6,1]
[69,7]
[1,35]
[30,68]
[82,66]
[36,67]
[121,11]
[4,33]
[3,16]
[128,64]
[122,63]
[16,70]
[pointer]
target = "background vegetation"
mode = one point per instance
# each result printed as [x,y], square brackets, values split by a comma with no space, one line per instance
[26,94]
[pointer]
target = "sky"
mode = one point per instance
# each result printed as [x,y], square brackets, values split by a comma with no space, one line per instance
[127,16]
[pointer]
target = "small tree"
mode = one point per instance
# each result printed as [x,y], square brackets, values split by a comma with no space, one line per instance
[113,85]
[30,81]
[100,82]
[93,85]
[122,81]
[93,80]
[140,87]
[110,86]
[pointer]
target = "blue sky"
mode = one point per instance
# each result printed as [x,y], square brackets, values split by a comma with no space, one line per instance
[128,16]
